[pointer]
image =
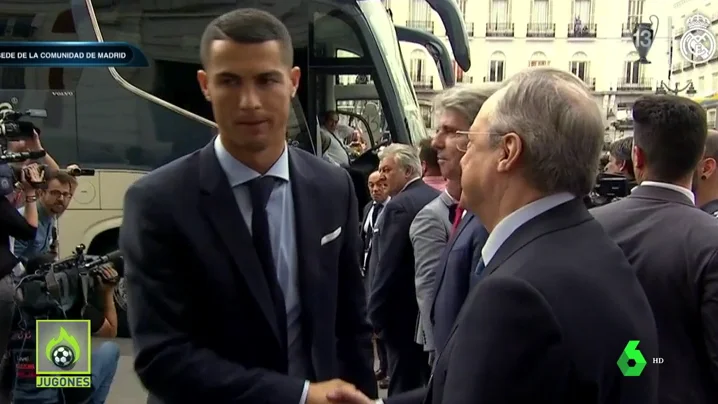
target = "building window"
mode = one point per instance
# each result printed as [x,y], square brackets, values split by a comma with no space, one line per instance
[580,69]
[497,67]
[417,69]
[582,12]
[419,10]
[701,84]
[500,12]
[714,85]
[462,7]
[458,72]
[579,66]
[635,13]
[538,59]
[633,71]
[541,12]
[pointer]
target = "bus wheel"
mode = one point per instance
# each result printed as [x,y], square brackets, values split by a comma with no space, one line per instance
[106,243]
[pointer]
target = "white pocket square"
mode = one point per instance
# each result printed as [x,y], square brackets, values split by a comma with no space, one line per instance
[331,236]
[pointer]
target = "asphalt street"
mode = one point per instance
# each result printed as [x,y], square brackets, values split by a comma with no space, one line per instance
[126,389]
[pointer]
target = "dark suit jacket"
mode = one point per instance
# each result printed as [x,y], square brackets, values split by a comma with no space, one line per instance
[455,269]
[673,247]
[200,309]
[547,323]
[392,304]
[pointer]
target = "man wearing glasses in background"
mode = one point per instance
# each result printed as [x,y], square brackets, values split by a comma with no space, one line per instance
[52,203]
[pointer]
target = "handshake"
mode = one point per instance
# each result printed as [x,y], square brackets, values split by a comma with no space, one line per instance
[336,391]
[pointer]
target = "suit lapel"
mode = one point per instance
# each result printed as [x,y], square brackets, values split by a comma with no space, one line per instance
[219,205]
[308,213]
[566,215]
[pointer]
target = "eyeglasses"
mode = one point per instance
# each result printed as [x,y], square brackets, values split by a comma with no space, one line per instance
[467,133]
[57,194]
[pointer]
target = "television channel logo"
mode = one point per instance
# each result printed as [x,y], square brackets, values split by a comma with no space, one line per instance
[63,354]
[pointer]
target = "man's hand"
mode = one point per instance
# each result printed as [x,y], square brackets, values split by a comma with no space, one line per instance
[108,278]
[34,143]
[344,395]
[318,392]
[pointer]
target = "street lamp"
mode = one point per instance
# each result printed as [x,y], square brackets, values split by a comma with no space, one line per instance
[664,88]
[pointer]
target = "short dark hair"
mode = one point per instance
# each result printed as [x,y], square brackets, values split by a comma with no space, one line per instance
[62,177]
[712,144]
[621,150]
[427,154]
[671,131]
[246,25]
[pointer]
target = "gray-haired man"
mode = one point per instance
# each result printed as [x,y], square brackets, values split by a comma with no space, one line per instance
[392,304]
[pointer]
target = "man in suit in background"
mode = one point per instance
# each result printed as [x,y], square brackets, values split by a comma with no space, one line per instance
[392,303]
[457,107]
[552,313]
[370,217]
[429,233]
[244,287]
[370,214]
[705,179]
[677,266]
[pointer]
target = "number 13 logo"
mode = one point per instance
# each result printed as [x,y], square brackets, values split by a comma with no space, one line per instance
[643,38]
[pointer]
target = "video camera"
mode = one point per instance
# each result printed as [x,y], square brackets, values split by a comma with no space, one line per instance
[13,129]
[54,286]
[610,187]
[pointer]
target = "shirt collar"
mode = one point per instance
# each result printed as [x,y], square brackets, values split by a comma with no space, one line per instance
[508,225]
[238,173]
[685,191]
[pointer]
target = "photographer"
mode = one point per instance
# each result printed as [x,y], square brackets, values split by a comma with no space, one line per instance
[105,357]
[619,160]
[14,226]
[30,145]
[53,202]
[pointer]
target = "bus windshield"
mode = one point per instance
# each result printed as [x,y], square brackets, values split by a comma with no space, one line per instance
[383,30]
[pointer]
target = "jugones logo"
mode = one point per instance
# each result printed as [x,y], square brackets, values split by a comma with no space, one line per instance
[631,362]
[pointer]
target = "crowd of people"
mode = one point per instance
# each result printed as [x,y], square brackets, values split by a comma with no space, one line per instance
[477,268]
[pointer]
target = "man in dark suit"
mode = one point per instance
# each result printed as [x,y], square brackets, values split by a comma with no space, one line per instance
[370,217]
[677,265]
[456,107]
[553,312]
[370,214]
[245,287]
[393,308]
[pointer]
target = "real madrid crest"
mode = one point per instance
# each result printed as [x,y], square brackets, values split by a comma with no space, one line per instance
[698,43]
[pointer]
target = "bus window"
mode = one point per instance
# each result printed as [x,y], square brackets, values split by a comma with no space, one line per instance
[171,77]
[52,89]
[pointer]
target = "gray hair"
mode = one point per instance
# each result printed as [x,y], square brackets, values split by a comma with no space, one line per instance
[406,157]
[464,99]
[560,125]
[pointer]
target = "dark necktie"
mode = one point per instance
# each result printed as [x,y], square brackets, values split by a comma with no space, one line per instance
[260,189]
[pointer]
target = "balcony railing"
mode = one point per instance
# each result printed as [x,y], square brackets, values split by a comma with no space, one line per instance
[640,84]
[540,30]
[499,29]
[465,79]
[578,30]
[469,28]
[423,25]
[627,29]
[423,83]
[712,125]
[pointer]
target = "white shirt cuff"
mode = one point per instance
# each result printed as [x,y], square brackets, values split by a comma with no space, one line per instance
[303,400]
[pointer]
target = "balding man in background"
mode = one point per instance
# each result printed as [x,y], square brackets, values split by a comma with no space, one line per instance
[672,245]
[392,303]
[552,312]
[705,180]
